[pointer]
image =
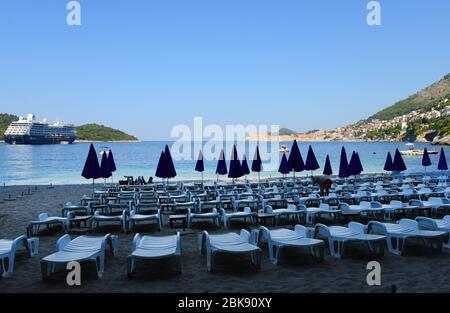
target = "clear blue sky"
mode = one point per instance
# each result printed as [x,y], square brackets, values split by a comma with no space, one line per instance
[145,65]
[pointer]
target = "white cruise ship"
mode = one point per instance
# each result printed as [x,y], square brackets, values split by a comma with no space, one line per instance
[29,131]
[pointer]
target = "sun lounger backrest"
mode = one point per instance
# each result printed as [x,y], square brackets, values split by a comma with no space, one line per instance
[427,223]
[411,224]
[324,206]
[357,227]
[43,216]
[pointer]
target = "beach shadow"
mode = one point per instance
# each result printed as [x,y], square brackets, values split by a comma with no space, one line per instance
[233,265]
[155,270]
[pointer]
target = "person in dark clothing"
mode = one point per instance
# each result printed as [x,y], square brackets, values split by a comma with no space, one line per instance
[324,183]
[150,180]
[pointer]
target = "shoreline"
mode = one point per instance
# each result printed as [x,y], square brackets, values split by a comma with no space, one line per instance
[99,182]
[299,139]
[99,141]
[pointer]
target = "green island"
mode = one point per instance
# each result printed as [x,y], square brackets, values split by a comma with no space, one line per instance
[87,132]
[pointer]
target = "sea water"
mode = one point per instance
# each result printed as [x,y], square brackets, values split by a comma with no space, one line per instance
[62,164]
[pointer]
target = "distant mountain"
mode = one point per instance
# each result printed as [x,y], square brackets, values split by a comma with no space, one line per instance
[424,100]
[88,132]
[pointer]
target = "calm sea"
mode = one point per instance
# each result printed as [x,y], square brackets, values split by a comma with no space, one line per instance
[62,164]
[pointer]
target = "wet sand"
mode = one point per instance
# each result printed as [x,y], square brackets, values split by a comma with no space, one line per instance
[418,271]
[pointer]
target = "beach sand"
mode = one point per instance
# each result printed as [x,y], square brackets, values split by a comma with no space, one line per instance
[416,272]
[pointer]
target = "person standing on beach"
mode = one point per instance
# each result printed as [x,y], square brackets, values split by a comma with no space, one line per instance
[324,183]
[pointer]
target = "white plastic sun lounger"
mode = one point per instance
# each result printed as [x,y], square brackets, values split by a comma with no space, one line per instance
[365,208]
[154,248]
[134,219]
[245,215]
[70,207]
[278,239]
[398,234]
[248,202]
[436,225]
[8,249]
[228,243]
[338,237]
[436,204]
[213,216]
[80,249]
[45,220]
[396,207]
[97,219]
[292,212]
[323,209]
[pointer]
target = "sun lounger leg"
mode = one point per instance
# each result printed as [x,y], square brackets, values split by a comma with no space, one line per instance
[7,272]
[396,245]
[256,259]
[209,260]
[434,244]
[318,252]
[336,248]
[274,254]
[45,271]
[179,264]
[377,247]
[130,266]
[100,265]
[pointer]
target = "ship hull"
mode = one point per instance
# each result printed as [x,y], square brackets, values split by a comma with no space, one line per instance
[34,140]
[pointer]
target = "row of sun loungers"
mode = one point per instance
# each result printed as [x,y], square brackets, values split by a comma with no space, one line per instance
[376,235]
[369,210]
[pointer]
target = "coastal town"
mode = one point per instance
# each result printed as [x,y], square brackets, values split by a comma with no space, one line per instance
[399,128]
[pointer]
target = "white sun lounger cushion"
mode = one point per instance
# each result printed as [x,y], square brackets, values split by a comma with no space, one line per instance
[338,236]
[278,239]
[83,248]
[228,243]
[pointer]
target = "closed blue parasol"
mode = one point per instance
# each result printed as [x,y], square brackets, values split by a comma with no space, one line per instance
[257,164]
[284,165]
[91,168]
[352,165]
[200,165]
[221,165]
[328,170]
[398,165]
[235,165]
[442,165]
[105,171]
[389,165]
[343,165]
[426,161]
[171,172]
[111,162]
[245,168]
[295,160]
[311,161]
[359,164]
[161,168]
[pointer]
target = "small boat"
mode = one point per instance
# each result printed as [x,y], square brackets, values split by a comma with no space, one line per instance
[284,149]
[412,151]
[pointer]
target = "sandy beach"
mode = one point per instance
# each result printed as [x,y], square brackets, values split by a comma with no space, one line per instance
[415,272]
